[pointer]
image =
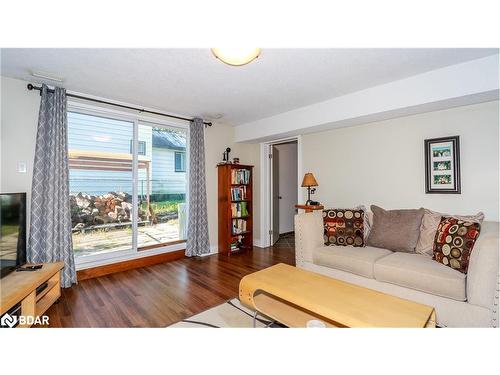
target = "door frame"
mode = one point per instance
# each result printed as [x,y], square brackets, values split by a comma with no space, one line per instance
[265,185]
[274,194]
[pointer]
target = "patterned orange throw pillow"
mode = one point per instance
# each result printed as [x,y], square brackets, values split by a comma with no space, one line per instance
[454,242]
[343,227]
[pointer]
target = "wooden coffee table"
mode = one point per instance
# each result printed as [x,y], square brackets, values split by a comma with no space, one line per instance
[293,296]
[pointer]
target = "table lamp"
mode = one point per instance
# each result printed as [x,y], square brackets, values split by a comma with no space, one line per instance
[308,182]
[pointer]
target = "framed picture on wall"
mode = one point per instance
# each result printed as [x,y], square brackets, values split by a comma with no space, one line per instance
[442,165]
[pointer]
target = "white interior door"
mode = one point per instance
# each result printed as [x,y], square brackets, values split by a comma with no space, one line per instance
[275,197]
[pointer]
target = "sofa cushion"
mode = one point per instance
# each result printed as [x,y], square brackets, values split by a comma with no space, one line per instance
[343,227]
[396,230]
[428,228]
[420,272]
[358,260]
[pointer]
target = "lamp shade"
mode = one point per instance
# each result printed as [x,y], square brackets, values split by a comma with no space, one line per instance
[309,180]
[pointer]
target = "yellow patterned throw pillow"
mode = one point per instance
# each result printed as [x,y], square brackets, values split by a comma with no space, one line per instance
[343,227]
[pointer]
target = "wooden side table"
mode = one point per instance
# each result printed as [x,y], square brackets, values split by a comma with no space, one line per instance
[309,208]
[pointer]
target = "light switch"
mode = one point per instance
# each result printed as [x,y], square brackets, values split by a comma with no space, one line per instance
[21,167]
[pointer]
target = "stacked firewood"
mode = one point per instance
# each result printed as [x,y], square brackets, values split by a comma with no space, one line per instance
[87,210]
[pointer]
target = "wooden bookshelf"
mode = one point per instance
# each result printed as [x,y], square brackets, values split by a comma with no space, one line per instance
[233,192]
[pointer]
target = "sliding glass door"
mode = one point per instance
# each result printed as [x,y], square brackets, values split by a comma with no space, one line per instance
[161,187]
[101,183]
[127,185]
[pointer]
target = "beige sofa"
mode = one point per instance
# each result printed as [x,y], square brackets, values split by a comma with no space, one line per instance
[460,300]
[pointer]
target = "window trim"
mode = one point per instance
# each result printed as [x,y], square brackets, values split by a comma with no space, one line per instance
[135,119]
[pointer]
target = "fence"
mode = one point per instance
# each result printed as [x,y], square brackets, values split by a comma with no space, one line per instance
[160,189]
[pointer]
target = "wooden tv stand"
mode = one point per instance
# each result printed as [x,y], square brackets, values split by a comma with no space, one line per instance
[20,287]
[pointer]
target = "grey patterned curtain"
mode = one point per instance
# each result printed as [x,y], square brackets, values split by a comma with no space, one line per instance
[50,227]
[197,235]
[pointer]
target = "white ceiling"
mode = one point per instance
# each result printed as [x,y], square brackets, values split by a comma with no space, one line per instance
[192,82]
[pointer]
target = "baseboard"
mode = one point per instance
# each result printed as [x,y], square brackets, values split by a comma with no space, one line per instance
[90,273]
[214,249]
[256,242]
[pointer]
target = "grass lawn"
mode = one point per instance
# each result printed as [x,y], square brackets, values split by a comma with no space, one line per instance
[163,207]
[9,229]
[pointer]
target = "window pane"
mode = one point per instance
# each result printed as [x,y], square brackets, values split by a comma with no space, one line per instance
[180,162]
[100,183]
[141,147]
[177,162]
[162,190]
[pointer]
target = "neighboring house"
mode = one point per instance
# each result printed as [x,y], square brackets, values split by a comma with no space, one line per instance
[168,162]
[109,140]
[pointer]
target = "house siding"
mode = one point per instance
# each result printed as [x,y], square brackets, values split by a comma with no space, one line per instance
[93,133]
[165,179]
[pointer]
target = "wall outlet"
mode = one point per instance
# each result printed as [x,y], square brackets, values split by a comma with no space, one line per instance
[21,167]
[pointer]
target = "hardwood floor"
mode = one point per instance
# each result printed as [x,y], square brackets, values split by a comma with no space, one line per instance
[162,294]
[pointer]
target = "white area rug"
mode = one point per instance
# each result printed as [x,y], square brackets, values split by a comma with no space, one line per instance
[231,314]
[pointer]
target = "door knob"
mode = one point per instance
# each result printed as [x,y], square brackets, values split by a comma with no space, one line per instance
[280,197]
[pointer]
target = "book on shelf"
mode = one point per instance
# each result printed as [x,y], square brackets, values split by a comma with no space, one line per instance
[237,243]
[240,176]
[239,226]
[239,209]
[238,193]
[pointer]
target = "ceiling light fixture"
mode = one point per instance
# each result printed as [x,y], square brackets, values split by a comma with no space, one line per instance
[236,56]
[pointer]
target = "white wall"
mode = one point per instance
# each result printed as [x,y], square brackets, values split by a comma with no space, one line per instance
[18,135]
[217,138]
[287,185]
[382,163]
[19,117]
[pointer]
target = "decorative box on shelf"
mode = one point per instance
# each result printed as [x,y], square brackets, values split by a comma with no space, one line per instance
[235,208]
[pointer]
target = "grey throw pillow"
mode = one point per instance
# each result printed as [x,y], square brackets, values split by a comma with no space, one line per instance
[396,230]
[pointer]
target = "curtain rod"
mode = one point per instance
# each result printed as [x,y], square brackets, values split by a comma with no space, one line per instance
[32,87]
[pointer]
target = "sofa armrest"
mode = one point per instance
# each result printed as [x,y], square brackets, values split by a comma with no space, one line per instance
[308,236]
[482,275]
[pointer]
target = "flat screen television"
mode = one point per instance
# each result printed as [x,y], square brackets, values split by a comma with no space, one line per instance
[12,231]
